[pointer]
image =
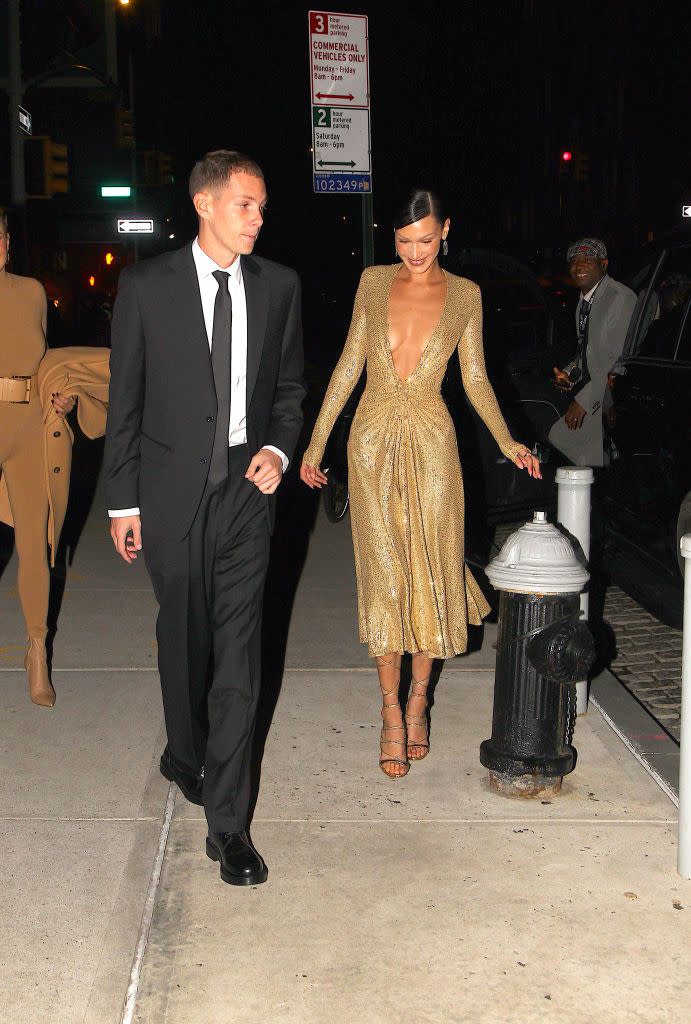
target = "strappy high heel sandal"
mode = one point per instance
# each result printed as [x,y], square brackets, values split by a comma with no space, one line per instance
[386,757]
[417,750]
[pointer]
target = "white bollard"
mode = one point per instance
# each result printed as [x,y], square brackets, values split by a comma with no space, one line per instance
[573,512]
[684,842]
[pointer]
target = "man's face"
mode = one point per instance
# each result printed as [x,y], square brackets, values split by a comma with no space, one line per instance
[234,215]
[585,271]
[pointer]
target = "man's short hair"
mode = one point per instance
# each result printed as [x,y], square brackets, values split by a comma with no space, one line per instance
[212,172]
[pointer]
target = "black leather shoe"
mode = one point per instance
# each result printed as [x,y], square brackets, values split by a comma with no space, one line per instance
[240,862]
[188,782]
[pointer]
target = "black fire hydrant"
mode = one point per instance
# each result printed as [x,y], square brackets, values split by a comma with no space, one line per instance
[543,649]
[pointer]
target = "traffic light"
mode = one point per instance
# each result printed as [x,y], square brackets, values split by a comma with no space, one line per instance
[157,167]
[109,259]
[47,167]
[124,129]
[165,169]
[56,168]
[565,164]
[581,166]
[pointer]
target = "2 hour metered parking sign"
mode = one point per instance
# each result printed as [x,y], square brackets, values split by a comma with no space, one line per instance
[340,100]
[135,226]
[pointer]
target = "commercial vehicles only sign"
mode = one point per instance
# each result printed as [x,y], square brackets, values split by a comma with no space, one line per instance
[339,71]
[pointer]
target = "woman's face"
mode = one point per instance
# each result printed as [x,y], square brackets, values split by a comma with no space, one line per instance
[4,246]
[418,243]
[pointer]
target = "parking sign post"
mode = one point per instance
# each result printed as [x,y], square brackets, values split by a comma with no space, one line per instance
[684,842]
[340,109]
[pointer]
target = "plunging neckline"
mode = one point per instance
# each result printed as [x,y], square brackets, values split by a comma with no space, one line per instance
[404,380]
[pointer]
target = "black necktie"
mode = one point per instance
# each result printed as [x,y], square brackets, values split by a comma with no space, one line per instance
[583,314]
[220,362]
[579,374]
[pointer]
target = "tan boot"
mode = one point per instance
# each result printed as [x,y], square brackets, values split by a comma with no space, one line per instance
[36,665]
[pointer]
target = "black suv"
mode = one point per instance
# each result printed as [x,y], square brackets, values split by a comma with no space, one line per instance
[648,482]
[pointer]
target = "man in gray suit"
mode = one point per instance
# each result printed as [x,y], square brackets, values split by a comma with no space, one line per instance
[602,321]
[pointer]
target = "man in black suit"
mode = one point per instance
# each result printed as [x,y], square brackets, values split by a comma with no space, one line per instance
[205,411]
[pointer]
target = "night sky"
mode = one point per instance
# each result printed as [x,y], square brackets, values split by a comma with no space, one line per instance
[477,99]
[457,101]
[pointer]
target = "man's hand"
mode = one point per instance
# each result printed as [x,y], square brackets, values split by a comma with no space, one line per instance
[561,379]
[265,471]
[126,546]
[574,415]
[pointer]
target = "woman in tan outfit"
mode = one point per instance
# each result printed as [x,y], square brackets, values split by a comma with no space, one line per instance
[414,592]
[22,346]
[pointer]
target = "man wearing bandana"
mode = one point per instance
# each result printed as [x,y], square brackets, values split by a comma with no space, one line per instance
[603,315]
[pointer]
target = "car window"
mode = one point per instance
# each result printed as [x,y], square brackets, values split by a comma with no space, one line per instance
[662,316]
[514,318]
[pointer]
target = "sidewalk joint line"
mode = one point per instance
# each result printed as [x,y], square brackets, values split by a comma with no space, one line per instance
[105,668]
[454,821]
[288,668]
[148,911]
[67,818]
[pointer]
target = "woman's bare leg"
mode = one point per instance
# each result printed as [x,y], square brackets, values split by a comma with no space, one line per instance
[416,708]
[393,761]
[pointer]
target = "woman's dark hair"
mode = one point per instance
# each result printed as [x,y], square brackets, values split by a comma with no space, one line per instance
[419,203]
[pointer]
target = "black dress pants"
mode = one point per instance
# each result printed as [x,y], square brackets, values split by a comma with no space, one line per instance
[209,590]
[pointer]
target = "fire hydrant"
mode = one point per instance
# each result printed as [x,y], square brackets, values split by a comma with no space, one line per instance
[543,648]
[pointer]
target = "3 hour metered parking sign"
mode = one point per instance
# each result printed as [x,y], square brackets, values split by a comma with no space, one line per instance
[340,100]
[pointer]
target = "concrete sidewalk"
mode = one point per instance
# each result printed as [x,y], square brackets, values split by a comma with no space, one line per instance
[425,899]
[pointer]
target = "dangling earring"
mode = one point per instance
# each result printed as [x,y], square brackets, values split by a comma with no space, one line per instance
[395,247]
[445,247]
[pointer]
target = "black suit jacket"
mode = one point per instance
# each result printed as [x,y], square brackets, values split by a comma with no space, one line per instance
[162,403]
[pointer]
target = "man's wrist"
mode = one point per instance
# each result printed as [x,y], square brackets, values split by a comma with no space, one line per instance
[281,455]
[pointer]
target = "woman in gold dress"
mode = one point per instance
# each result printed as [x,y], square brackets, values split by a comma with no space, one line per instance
[414,592]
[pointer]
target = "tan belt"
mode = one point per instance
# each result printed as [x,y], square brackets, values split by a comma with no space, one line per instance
[15,389]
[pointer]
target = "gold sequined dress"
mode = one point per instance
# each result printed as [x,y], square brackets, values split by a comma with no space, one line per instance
[414,592]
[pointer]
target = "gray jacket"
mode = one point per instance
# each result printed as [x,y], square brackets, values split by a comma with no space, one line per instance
[608,323]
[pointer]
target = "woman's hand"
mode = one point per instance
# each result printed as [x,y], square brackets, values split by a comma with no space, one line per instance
[63,403]
[312,476]
[526,460]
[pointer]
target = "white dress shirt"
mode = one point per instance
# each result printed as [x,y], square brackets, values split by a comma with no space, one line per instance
[208,288]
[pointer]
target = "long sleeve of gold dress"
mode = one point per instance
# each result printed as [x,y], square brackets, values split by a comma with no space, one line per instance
[406,489]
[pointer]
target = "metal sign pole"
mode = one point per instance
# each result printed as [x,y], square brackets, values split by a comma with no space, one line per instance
[367,230]
[684,842]
[18,185]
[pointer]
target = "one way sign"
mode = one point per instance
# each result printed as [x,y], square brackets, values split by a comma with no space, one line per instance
[686,211]
[139,226]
